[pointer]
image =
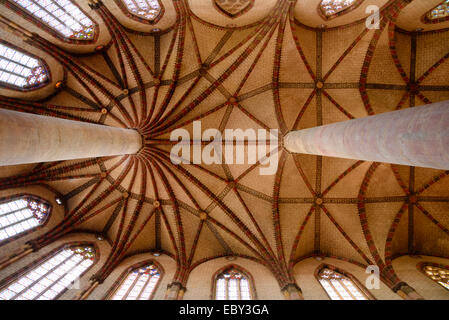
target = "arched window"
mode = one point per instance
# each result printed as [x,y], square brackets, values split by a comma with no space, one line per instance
[61,16]
[22,214]
[438,14]
[50,277]
[340,286]
[332,8]
[437,272]
[233,284]
[147,11]
[19,70]
[140,283]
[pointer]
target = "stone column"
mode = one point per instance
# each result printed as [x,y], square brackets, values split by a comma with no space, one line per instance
[406,292]
[29,138]
[175,291]
[415,137]
[292,292]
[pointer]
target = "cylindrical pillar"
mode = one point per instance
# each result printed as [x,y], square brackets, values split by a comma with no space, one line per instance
[415,137]
[30,138]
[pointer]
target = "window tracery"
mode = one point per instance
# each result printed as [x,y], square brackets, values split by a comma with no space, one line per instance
[52,276]
[22,214]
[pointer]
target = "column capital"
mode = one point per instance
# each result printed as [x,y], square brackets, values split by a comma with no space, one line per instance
[292,291]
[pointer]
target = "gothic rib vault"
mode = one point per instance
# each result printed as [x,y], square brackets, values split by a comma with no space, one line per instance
[268,67]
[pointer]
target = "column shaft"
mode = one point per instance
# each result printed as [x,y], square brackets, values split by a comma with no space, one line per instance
[29,138]
[415,137]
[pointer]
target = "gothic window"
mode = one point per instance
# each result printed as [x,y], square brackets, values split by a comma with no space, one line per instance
[145,9]
[437,273]
[339,286]
[22,214]
[139,284]
[20,70]
[62,16]
[333,8]
[438,14]
[52,276]
[233,284]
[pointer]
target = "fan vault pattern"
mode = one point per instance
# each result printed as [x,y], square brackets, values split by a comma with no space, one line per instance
[277,73]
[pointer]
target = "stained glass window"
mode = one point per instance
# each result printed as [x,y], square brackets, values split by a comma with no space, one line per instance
[439,12]
[232,284]
[20,215]
[437,274]
[332,7]
[19,69]
[145,9]
[62,16]
[339,286]
[52,276]
[139,284]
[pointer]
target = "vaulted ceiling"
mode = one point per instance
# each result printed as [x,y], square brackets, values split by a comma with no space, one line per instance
[258,69]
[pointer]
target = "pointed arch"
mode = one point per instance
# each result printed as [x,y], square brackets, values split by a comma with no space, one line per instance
[52,275]
[330,9]
[21,70]
[341,285]
[22,214]
[233,283]
[437,272]
[138,282]
[438,14]
[63,19]
[144,11]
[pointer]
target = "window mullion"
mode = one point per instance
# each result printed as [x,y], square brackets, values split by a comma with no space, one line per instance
[15,223]
[57,280]
[68,13]
[131,287]
[50,14]
[43,276]
[22,65]
[347,290]
[144,287]
[335,289]
[227,288]
[14,211]
[239,290]
[13,74]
